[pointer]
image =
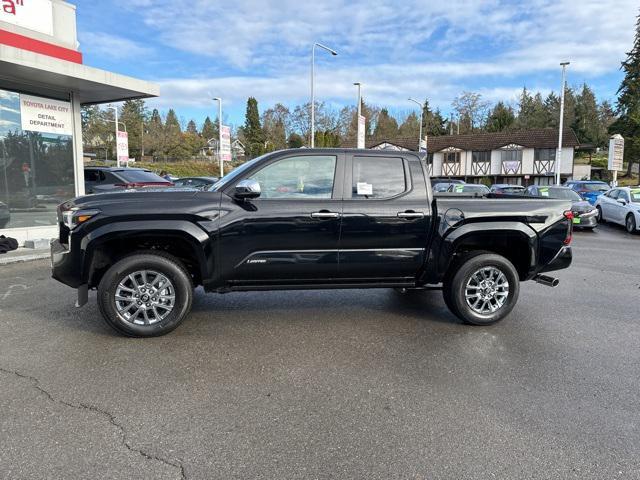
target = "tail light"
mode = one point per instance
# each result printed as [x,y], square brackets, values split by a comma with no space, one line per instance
[569,216]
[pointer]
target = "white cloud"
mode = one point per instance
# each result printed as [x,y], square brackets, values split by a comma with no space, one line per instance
[397,49]
[112,46]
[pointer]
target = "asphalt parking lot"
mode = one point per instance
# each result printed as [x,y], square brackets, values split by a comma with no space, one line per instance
[330,384]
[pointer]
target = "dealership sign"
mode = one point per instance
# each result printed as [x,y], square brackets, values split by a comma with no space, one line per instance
[616,152]
[32,14]
[122,147]
[225,143]
[45,116]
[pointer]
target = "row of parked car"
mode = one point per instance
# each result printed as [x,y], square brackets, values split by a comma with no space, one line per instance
[593,201]
[104,179]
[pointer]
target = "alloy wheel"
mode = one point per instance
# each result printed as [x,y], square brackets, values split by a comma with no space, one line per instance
[487,290]
[144,297]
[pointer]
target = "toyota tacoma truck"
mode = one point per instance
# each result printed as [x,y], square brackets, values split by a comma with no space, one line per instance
[306,219]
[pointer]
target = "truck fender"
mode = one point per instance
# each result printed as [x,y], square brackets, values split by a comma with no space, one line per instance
[455,236]
[196,238]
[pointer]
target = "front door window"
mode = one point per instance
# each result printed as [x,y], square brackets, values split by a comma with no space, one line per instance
[302,177]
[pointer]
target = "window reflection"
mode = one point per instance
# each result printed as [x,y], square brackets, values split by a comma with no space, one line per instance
[36,169]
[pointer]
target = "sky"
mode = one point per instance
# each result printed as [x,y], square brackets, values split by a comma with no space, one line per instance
[200,49]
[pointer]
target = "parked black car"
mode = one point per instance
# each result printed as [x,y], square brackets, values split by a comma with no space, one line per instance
[201,183]
[585,215]
[306,219]
[103,179]
[5,215]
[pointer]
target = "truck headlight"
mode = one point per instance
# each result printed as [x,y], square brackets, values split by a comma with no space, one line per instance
[74,217]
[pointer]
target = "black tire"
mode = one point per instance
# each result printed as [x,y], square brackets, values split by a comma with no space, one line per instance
[454,288]
[159,262]
[630,223]
[600,218]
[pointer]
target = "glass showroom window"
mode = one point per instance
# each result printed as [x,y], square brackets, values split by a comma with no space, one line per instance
[36,167]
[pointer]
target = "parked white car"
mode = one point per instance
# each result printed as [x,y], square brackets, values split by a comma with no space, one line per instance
[620,205]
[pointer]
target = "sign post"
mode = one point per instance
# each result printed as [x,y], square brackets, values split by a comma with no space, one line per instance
[122,148]
[616,156]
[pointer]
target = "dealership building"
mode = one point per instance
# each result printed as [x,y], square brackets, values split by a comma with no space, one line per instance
[43,86]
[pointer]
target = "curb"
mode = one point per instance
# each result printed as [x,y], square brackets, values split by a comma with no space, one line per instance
[24,258]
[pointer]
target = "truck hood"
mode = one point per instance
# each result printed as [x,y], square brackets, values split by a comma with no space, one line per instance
[153,197]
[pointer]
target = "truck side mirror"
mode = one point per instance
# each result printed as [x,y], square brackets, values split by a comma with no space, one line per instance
[247,189]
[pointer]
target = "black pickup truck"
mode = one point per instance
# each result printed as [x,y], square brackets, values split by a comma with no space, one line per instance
[306,219]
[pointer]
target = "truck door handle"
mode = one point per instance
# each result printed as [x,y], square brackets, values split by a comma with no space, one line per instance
[410,214]
[325,214]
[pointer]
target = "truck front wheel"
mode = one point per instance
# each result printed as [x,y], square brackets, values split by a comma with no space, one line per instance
[483,289]
[146,294]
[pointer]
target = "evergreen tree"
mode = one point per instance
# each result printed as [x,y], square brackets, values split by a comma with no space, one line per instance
[628,104]
[410,128]
[252,129]
[134,116]
[386,126]
[587,122]
[501,118]
[192,127]
[209,129]
[295,141]
[157,137]
[433,124]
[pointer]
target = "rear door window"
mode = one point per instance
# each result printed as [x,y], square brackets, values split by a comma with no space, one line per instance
[378,177]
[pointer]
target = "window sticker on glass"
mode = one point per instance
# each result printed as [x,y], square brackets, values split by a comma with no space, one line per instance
[364,188]
[544,192]
[459,188]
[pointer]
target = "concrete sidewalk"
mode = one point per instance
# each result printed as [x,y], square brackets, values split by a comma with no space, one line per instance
[24,255]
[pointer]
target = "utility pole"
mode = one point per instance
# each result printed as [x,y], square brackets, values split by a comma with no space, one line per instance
[559,154]
[141,141]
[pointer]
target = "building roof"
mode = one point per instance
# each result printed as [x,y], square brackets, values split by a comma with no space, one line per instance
[532,138]
[54,77]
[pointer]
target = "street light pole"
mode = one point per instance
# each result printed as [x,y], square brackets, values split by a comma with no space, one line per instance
[559,154]
[219,100]
[313,99]
[359,85]
[421,120]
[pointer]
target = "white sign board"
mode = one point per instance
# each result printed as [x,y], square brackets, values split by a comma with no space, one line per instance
[32,14]
[225,144]
[616,152]
[122,147]
[361,131]
[45,116]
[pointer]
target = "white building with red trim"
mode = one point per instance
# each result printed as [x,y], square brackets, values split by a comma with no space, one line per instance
[43,85]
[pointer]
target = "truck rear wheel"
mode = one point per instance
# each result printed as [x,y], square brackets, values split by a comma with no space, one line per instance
[483,289]
[146,294]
